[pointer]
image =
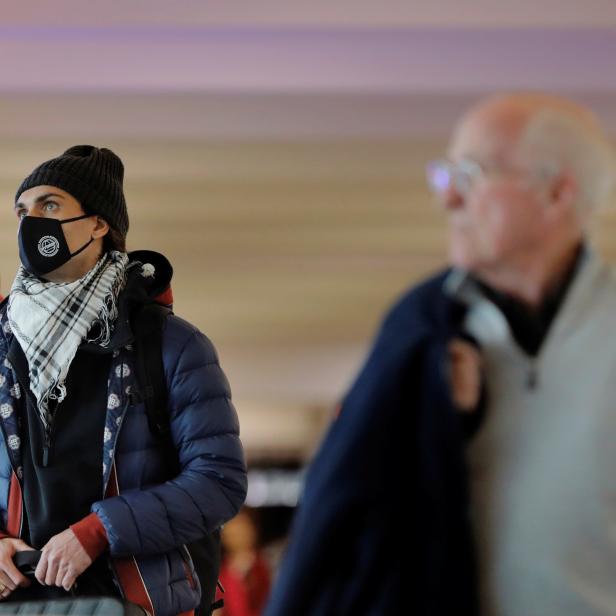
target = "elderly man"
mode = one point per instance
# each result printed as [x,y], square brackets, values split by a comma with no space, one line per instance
[489,400]
[110,498]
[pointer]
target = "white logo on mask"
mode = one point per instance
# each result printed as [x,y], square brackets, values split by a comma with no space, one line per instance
[48,246]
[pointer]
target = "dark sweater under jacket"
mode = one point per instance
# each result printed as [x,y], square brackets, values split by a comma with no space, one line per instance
[62,482]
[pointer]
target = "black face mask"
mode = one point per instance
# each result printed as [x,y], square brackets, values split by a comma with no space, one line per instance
[42,245]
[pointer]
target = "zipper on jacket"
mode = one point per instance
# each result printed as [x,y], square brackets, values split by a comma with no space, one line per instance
[46,450]
[186,560]
[532,376]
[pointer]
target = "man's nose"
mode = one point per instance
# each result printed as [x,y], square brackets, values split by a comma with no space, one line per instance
[451,198]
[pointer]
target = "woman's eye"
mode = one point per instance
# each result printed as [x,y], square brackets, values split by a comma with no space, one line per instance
[50,206]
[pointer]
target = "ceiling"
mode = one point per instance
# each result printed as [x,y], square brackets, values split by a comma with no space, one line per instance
[275,152]
[317,13]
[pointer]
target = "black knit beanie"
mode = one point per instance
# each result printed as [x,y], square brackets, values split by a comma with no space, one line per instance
[93,176]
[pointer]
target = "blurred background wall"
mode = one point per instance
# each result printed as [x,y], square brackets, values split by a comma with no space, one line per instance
[274,151]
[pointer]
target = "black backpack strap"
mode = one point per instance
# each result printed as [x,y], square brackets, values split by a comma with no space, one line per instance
[148,324]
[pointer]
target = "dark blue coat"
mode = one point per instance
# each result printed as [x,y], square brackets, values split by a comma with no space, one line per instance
[383,527]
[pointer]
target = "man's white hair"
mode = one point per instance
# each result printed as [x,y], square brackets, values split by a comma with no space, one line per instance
[570,138]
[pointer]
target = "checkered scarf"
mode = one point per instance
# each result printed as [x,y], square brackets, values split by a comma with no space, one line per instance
[50,320]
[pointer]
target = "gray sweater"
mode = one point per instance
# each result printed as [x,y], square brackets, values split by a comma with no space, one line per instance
[542,466]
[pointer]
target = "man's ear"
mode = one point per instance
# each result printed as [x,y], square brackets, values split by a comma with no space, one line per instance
[101,229]
[564,190]
[562,194]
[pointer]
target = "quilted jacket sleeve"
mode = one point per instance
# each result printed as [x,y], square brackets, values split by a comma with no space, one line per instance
[211,485]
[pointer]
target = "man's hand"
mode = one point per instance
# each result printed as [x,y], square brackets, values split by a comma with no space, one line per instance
[465,362]
[63,559]
[10,576]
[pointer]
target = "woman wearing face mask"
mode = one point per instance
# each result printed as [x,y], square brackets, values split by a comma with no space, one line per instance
[82,477]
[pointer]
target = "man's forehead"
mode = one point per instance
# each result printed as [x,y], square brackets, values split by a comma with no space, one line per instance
[488,134]
[492,128]
[35,193]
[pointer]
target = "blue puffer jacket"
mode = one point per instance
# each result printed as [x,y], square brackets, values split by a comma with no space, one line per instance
[149,515]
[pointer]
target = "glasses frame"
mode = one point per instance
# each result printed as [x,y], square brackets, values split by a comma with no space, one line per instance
[443,174]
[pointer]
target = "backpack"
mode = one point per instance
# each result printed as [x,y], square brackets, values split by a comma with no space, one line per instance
[147,323]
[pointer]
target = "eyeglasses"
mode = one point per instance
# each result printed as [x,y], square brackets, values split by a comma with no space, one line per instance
[444,174]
